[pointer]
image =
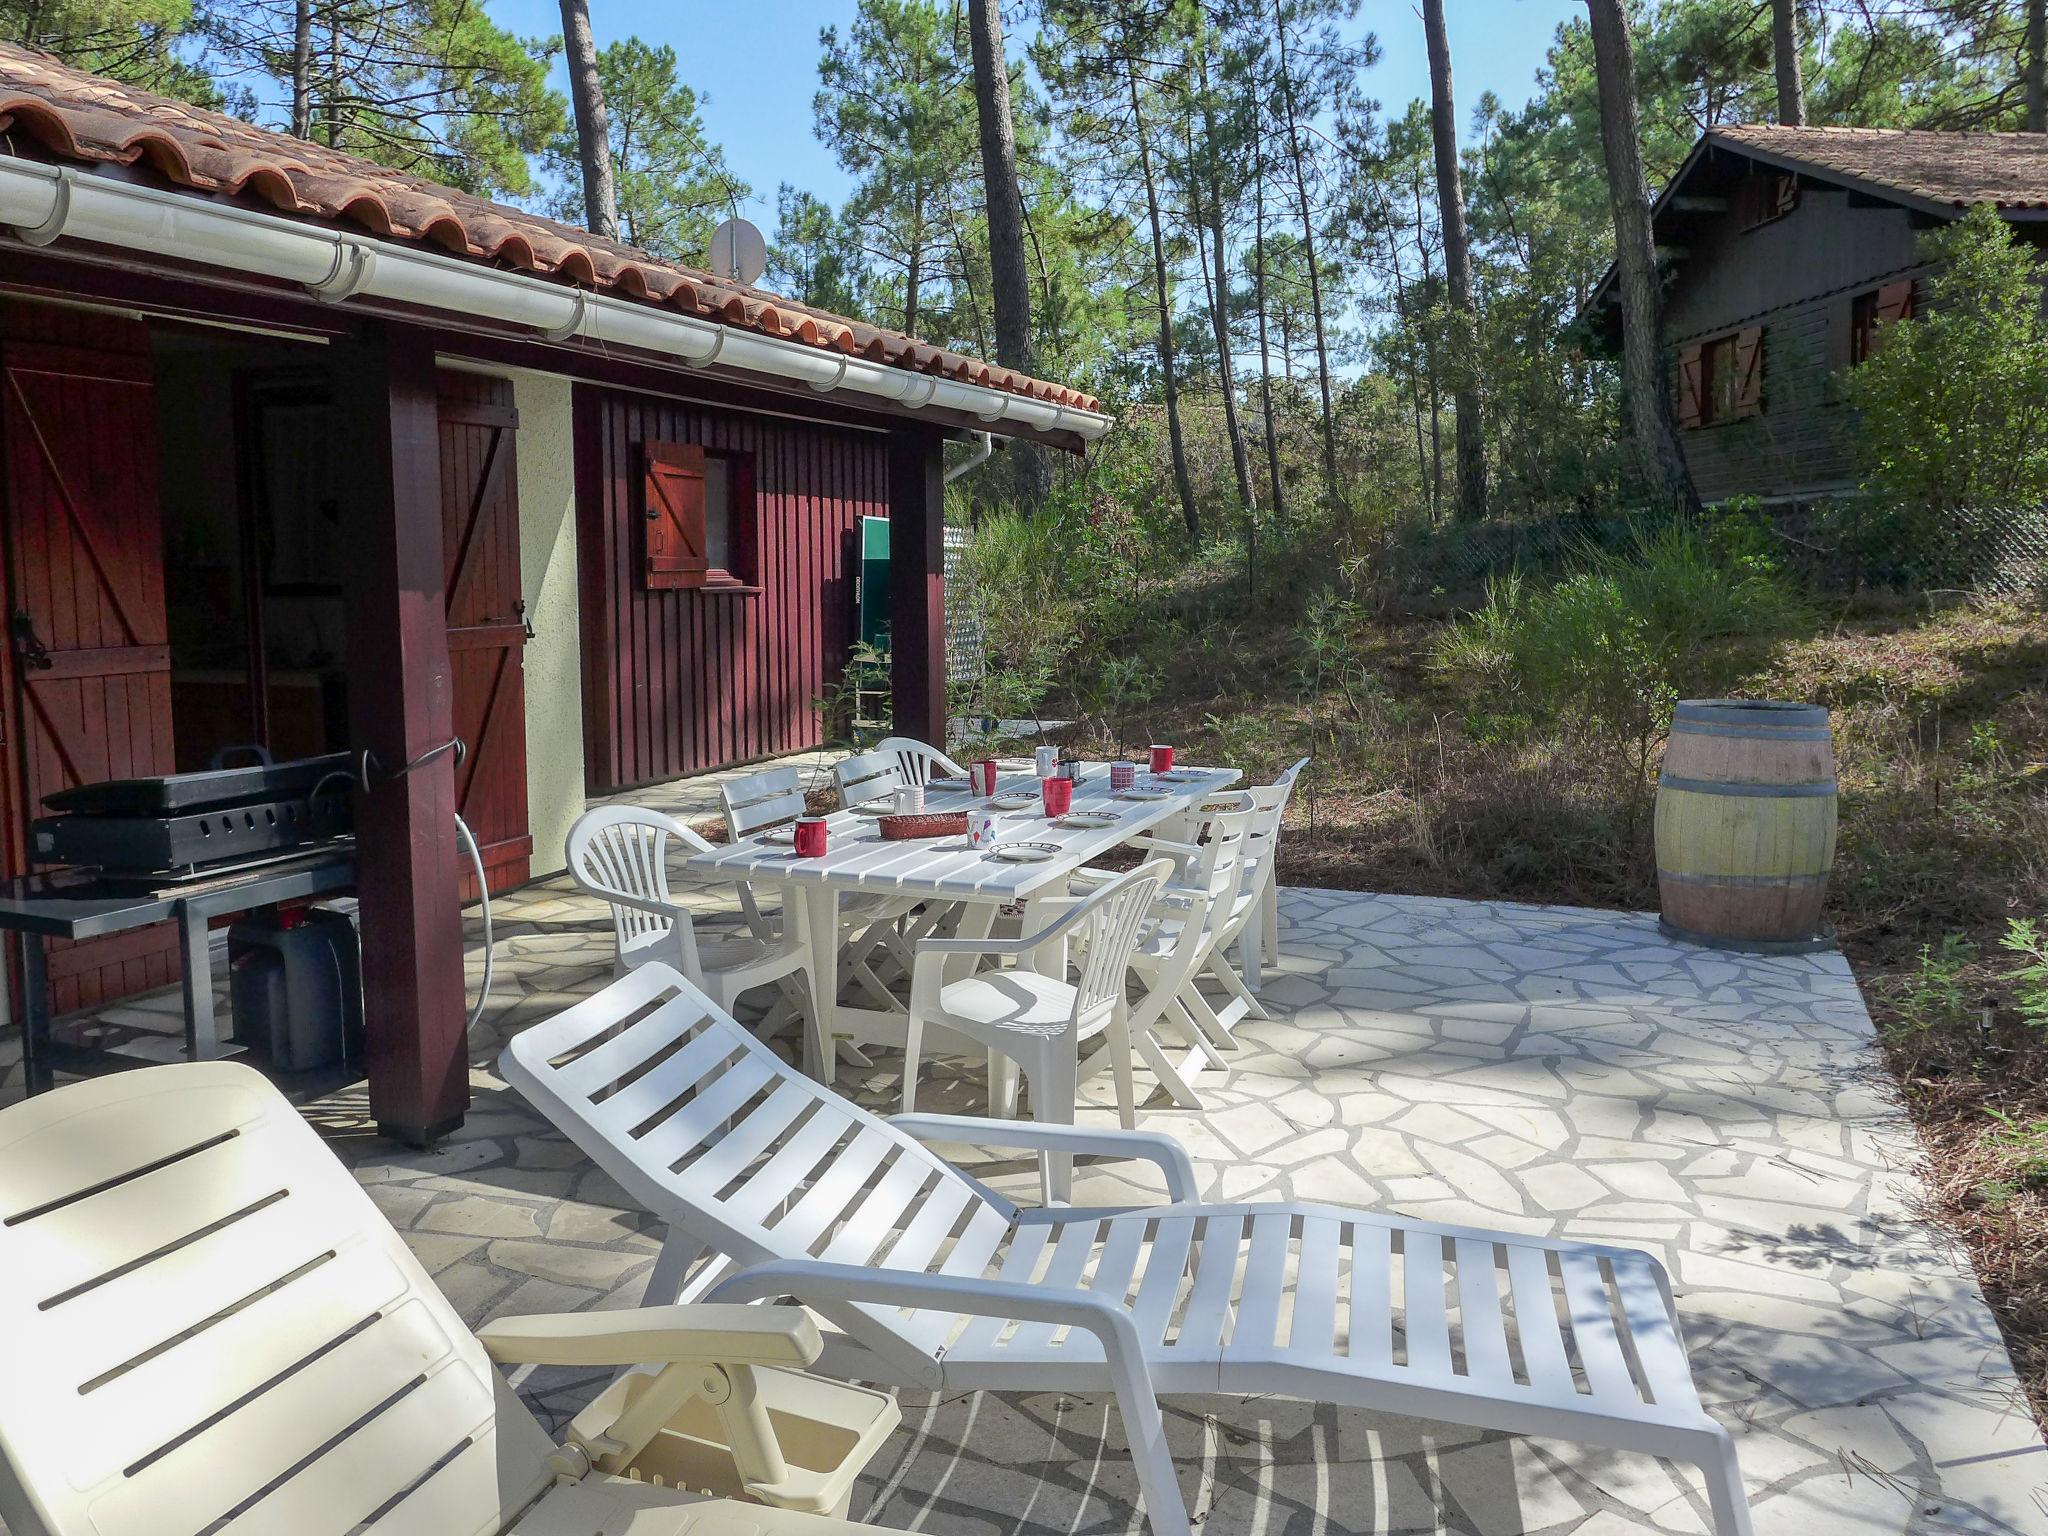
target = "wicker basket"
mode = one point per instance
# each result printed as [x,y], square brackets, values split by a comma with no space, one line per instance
[897,829]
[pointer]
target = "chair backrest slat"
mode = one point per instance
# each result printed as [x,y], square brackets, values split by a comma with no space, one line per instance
[916,760]
[622,850]
[1109,935]
[209,1327]
[866,778]
[736,1176]
[770,798]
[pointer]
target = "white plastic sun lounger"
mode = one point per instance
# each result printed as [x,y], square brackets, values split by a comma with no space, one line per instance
[934,1280]
[206,1327]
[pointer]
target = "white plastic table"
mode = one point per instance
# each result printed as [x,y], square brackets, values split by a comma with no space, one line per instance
[858,859]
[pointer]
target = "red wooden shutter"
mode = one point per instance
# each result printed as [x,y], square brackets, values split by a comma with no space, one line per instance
[486,621]
[1784,196]
[1895,302]
[675,516]
[1692,388]
[1749,372]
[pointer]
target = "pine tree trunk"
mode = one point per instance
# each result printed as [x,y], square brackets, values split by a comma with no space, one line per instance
[1265,352]
[1010,278]
[593,130]
[302,70]
[1785,50]
[1183,487]
[2037,66]
[1216,271]
[1659,458]
[1308,247]
[1450,197]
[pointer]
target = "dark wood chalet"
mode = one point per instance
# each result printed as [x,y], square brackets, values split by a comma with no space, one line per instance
[1786,252]
[298,451]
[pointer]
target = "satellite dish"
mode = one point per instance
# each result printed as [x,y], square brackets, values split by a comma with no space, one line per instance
[739,252]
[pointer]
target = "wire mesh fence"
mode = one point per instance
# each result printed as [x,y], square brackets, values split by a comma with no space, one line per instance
[1846,544]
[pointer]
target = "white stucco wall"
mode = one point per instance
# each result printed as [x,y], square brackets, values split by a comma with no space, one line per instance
[554,657]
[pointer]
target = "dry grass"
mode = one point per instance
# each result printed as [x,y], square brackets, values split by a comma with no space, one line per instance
[1941,726]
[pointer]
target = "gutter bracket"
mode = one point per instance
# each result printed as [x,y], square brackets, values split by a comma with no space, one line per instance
[836,380]
[574,325]
[59,216]
[354,264]
[717,346]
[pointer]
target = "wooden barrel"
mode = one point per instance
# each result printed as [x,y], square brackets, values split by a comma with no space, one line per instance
[1746,822]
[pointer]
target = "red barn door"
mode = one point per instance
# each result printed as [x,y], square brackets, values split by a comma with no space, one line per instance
[90,646]
[486,621]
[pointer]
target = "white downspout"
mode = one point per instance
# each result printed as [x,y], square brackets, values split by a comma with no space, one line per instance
[985,446]
[43,203]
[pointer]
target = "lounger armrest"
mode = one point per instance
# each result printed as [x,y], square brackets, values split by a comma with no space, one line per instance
[816,1283]
[701,1334]
[1154,1147]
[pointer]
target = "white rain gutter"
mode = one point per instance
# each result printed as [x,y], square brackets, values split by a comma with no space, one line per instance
[43,202]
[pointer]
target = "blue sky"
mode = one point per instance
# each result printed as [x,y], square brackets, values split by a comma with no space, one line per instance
[757,63]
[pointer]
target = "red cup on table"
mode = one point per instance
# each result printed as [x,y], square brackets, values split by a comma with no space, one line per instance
[981,776]
[1162,759]
[1122,775]
[810,837]
[1058,795]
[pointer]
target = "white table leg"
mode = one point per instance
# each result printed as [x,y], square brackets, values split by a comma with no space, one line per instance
[821,928]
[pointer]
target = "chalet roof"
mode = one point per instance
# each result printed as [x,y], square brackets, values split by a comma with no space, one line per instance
[89,120]
[1927,166]
[1935,172]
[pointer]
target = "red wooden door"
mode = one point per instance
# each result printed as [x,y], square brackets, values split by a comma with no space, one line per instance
[486,621]
[91,655]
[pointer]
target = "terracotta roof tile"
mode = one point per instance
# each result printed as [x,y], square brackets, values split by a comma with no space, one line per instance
[83,118]
[2009,170]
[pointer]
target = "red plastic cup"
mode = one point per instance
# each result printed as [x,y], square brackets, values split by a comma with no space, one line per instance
[981,776]
[1058,795]
[1162,759]
[810,837]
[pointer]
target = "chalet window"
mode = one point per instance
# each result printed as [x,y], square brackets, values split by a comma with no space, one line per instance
[700,519]
[1762,198]
[1871,313]
[1722,379]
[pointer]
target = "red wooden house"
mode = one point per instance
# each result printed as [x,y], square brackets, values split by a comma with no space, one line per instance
[299,451]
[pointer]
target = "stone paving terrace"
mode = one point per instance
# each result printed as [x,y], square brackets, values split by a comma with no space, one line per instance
[1546,1070]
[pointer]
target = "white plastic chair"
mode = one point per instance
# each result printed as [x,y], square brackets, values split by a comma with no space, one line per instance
[774,797]
[1259,946]
[930,1278]
[619,853]
[917,761]
[1036,1020]
[210,1327]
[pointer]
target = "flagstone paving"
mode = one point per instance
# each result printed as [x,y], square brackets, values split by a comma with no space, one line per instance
[1544,1070]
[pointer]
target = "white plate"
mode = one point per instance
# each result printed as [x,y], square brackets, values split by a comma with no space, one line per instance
[778,837]
[1089,820]
[1015,802]
[947,786]
[876,808]
[1144,794]
[1024,853]
[1180,775]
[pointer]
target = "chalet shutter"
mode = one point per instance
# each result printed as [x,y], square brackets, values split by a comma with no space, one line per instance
[675,516]
[1784,196]
[1895,302]
[1692,387]
[1748,371]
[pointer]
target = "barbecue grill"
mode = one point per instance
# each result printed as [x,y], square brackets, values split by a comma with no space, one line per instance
[187,826]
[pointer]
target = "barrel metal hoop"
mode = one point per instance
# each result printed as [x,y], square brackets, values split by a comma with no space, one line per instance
[1751,732]
[1816,791]
[1755,882]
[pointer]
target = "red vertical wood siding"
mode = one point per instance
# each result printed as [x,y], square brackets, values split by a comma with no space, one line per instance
[678,682]
[84,547]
